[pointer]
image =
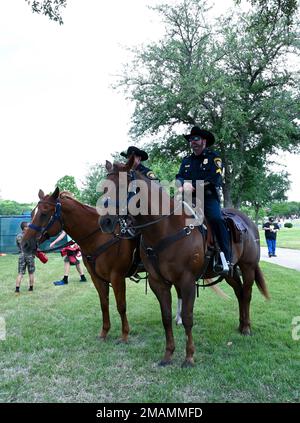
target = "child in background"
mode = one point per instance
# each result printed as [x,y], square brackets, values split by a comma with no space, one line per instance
[25,261]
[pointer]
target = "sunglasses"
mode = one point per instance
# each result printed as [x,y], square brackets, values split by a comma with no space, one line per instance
[194,138]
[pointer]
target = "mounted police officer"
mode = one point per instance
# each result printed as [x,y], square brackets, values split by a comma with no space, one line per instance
[205,164]
[139,156]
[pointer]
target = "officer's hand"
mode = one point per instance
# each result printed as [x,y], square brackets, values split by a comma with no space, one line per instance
[187,186]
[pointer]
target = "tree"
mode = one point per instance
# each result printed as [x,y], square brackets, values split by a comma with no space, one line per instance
[230,80]
[50,8]
[285,209]
[271,10]
[95,175]
[260,190]
[67,183]
[10,208]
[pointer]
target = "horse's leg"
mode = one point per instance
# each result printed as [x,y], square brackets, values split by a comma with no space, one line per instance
[103,292]
[178,318]
[119,287]
[162,290]
[236,283]
[188,291]
[248,273]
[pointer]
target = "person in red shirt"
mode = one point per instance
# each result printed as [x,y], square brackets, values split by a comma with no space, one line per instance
[72,256]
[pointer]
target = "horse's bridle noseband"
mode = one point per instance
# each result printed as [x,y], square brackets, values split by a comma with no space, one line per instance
[54,218]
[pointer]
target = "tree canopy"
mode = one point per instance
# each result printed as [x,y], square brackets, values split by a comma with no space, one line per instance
[231,78]
[10,208]
[51,8]
[90,193]
[68,183]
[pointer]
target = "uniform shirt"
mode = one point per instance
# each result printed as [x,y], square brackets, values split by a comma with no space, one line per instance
[270,225]
[207,167]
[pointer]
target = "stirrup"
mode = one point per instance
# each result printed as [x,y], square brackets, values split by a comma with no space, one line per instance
[136,278]
[224,262]
[223,268]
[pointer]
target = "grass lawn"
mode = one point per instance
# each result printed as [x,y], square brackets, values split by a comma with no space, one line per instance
[286,238]
[51,353]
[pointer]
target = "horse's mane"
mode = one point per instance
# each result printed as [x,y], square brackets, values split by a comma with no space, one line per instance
[69,196]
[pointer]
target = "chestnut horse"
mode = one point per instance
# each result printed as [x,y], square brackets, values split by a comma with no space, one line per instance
[107,257]
[174,254]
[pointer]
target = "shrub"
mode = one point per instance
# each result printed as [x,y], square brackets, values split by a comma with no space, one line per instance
[288,225]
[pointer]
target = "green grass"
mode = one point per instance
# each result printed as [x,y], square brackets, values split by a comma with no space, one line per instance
[51,353]
[286,238]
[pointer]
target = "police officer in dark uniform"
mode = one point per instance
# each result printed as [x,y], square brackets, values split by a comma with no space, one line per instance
[205,164]
[139,156]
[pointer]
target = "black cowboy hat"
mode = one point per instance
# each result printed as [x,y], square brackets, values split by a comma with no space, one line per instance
[136,151]
[203,133]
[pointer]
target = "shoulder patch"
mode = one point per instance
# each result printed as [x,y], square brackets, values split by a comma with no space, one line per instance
[150,175]
[218,162]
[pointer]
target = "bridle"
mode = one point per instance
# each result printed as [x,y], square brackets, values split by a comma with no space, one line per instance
[56,217]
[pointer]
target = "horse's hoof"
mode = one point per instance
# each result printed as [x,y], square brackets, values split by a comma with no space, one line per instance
[164,363]
[101,338]
[178,322]
[187,364]
[246,331]
[122,341]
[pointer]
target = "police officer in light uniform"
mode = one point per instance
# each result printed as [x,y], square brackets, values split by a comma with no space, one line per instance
[205,164]
[139,156]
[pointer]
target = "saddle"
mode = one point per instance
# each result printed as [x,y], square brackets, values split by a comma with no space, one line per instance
[235,224]
[236,227]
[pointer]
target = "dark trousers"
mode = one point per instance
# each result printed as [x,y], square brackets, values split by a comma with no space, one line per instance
[212,212]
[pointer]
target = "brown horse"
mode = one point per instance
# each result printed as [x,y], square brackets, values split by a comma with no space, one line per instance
[174,254]
[107,257]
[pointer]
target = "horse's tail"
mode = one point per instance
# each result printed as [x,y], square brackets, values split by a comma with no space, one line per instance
[261,283]
[217,290]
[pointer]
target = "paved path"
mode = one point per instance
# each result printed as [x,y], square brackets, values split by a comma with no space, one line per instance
[285,257]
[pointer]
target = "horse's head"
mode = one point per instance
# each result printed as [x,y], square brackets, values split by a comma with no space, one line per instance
[120,175]
[46,221]
[118,193]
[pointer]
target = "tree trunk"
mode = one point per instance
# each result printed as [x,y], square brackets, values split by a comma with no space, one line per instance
[226,180]
[227,195]
[256,209]
[237,204]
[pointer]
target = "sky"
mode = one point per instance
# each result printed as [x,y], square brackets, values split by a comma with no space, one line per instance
[58,111]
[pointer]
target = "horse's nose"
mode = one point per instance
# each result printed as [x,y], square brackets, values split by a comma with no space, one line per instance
[26,246]
[29,246]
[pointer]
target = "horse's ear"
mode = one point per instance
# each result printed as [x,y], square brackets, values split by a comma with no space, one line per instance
[55,193]
[41,194]
[130,162]
[108,166]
